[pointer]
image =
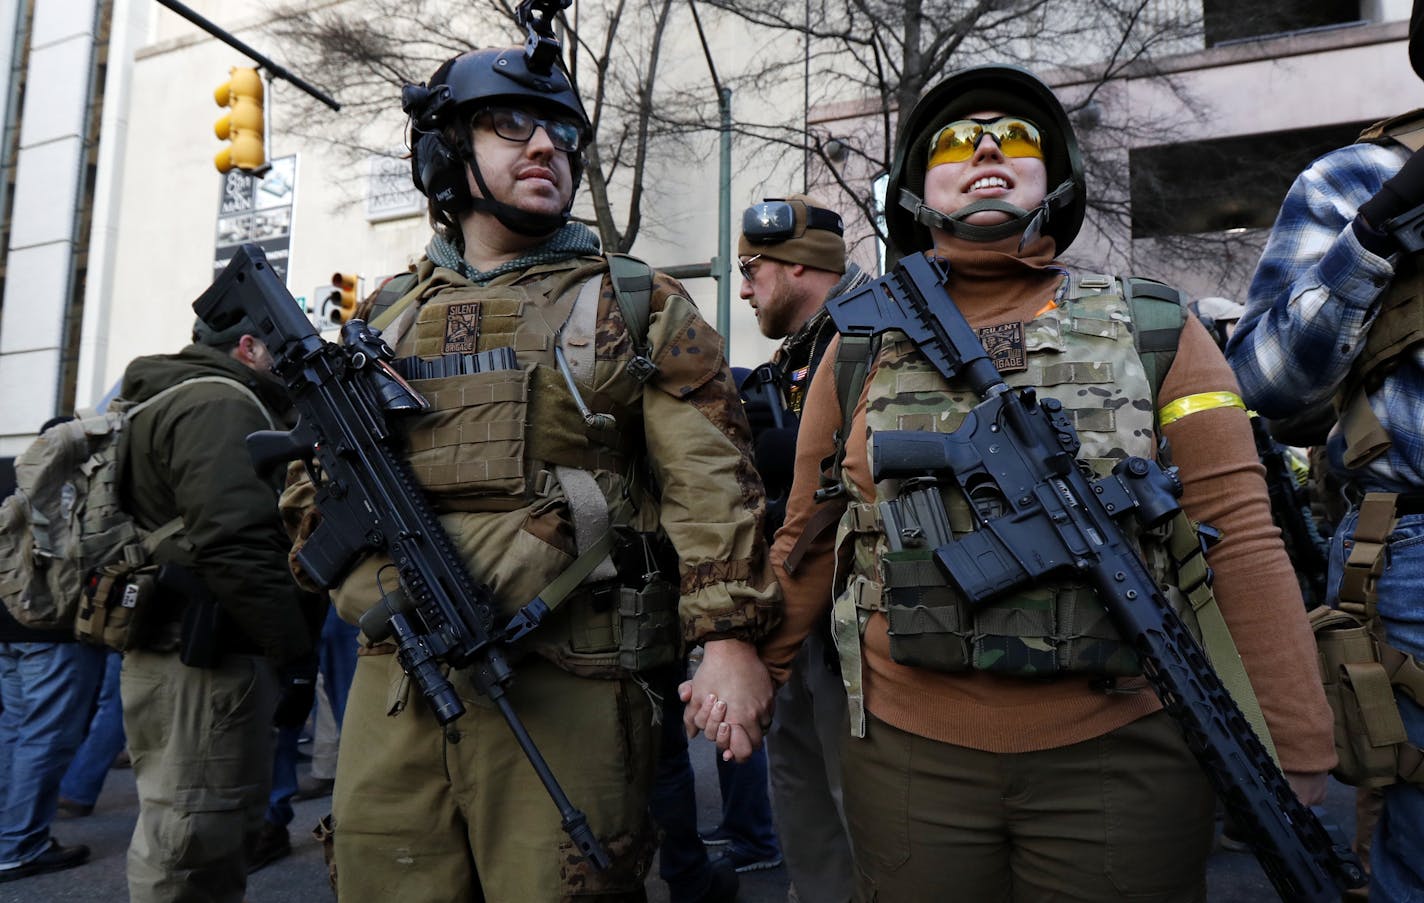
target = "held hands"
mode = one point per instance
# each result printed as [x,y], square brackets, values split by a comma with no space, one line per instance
[729,699]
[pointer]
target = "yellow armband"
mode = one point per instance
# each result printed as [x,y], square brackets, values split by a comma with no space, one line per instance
[1173,411]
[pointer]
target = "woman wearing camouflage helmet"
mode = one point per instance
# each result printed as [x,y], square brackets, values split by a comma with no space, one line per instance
[1012,751]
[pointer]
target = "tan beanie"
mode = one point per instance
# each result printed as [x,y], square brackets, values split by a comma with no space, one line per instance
[821,248]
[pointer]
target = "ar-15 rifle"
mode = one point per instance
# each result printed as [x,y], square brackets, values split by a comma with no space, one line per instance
[371,502]
[1018,455]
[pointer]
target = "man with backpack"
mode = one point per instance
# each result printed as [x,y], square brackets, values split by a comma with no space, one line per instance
[47,682]
[1334,310]
[200,682]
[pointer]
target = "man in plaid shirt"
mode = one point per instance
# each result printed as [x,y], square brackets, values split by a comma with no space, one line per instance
[1332,264]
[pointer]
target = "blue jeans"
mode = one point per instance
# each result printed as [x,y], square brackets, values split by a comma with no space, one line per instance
[746,807]
[1397,857]
[337,655]
[85,778]
[682,859]
[46,690]
[284,777]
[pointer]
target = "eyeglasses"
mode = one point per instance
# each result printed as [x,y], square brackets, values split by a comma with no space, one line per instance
[745,265]
[957,141]
[518,125]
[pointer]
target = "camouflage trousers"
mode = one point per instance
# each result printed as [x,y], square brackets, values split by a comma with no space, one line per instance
[424,814]
[1122,817]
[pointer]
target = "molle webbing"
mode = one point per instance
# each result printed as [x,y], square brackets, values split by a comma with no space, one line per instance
[1406,129]
[1398,328]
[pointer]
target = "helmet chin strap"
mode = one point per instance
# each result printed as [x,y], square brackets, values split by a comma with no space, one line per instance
[1028,222]
[533,225]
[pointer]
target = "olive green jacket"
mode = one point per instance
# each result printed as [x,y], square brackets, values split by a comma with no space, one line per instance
[186,456]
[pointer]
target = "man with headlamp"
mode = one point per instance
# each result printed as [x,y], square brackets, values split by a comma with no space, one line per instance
[792,255]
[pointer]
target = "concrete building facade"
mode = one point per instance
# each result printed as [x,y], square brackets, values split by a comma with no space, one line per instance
[112,211]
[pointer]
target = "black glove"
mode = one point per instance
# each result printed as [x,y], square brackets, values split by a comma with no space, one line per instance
[296,692]
[1403,192]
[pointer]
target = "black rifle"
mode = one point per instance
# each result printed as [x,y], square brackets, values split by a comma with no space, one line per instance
[1290,509]
[370,502]
[1017,457]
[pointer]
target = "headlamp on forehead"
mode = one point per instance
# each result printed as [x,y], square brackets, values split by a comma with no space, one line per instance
[774,220]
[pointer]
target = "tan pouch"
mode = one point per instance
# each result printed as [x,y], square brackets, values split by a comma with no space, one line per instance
[1368,728]
[119,607]
[471,441]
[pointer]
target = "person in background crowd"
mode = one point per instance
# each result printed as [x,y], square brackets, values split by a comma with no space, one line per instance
[47,685]
[1333,311]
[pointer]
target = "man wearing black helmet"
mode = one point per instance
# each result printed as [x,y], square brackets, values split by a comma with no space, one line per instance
[1333,314]
[1012,750]
[584,442]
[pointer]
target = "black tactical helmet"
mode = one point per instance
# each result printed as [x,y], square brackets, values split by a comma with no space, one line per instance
[459,87]
[995,87]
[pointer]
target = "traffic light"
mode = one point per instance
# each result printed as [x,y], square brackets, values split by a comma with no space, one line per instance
[344,297]
[242,127]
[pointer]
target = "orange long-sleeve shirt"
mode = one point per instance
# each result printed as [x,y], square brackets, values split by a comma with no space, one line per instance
[1224,486]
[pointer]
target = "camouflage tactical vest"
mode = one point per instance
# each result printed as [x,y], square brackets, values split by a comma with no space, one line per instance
[1082,353]
[508,460]
[1398,328]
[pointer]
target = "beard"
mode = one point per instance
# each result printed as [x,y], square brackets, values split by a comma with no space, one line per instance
[777,317]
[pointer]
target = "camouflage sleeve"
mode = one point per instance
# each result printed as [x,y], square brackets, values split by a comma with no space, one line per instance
[713,505]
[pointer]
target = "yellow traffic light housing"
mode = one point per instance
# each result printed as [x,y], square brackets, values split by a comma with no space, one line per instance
[243,126]
[346,284]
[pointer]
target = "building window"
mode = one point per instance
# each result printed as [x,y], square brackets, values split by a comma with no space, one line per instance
[1224,183]
[1239,20]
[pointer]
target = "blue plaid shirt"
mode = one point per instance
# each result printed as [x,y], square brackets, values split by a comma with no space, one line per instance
[1311,304]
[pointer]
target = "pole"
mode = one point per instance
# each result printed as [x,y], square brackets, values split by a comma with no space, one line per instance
[227,38]
[724,225]
[722,264]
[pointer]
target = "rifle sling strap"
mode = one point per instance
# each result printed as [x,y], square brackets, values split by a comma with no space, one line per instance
[1194,579]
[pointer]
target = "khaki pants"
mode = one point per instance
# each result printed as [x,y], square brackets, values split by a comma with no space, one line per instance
[430,815]
[200,740]
[1126,816]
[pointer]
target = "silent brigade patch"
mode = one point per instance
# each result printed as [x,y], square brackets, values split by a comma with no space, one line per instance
[462,328]
[1005,344]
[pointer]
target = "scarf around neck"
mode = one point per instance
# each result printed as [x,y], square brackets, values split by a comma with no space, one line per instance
[570,241]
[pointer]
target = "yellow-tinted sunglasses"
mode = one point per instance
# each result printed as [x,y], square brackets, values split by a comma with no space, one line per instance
[956,142]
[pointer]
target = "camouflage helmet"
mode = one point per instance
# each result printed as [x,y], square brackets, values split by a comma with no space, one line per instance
[1009,89]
